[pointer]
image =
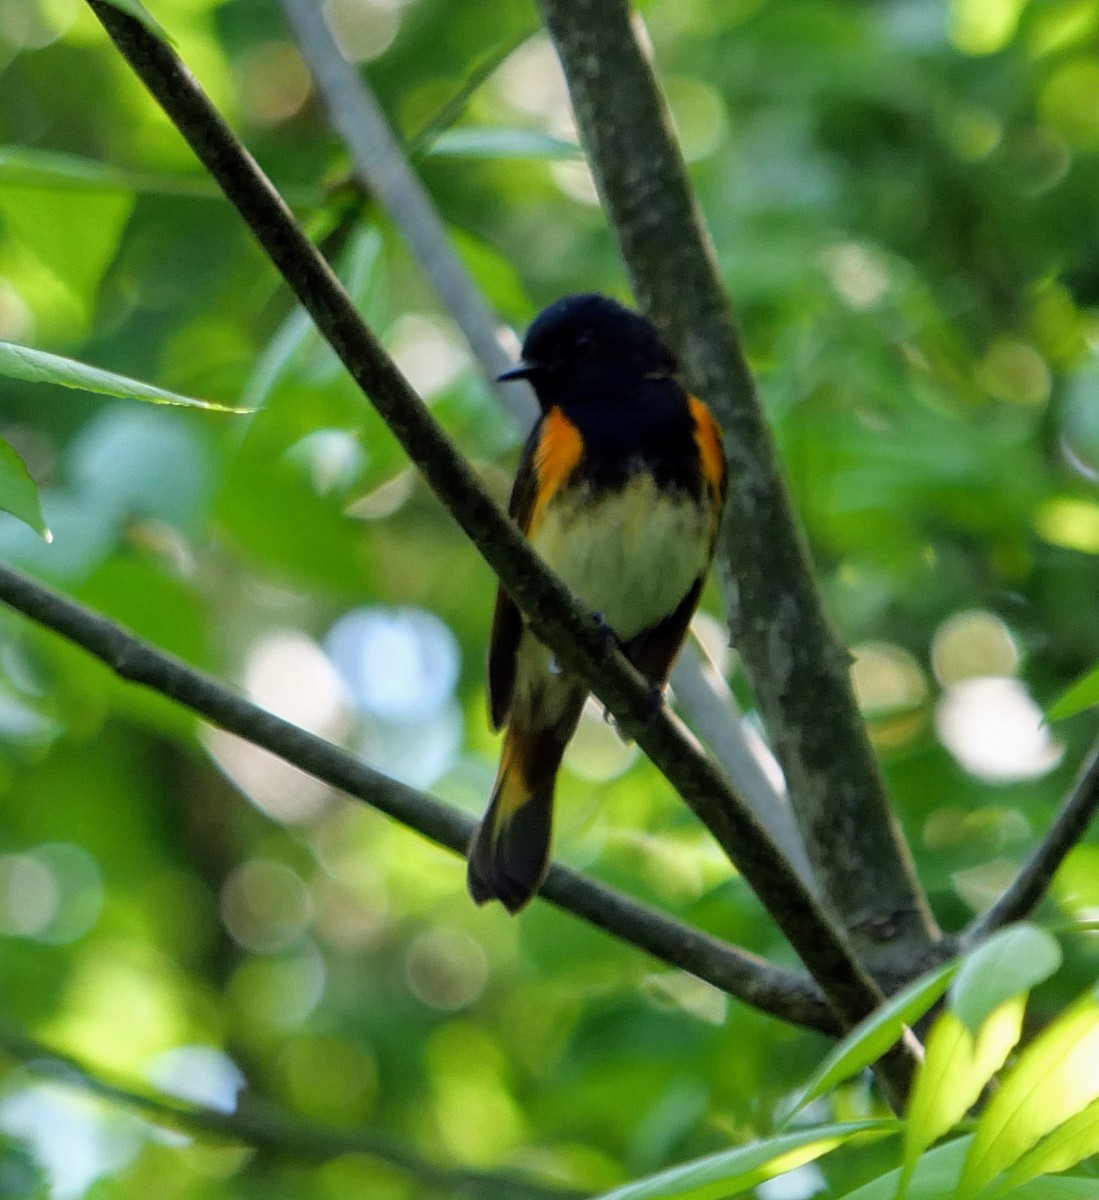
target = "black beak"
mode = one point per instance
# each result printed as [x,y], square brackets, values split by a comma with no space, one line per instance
[523,371]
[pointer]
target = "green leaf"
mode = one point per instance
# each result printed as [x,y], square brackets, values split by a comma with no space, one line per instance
[732,1171]
[1075,1140]
[955,1069]
[481,142]
[74,236]
[27,167]
[1056,1077]
[18,492]
[36,366]
[935,1177]
[1013,960]
[1084,693]
[137,10]
[870,1039]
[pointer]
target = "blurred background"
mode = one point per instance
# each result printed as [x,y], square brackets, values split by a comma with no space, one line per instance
[903,199]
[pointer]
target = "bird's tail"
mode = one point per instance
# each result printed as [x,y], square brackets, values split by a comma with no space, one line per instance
[509,852]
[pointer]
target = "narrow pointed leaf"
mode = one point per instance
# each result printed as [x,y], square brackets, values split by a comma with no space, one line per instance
[18,493]
[487,142]
[1072,1142]
[734,1171]
[1012,961]
[954,1071]
[1055,1078]
[31,167]
[871,1038]
[36,366]
[1084,693]
[935,1177]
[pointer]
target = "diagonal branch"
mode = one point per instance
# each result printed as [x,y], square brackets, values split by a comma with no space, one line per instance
[266,1128]
[795,661]
[1023,895]
[781,993]
[552,612]
[383,168]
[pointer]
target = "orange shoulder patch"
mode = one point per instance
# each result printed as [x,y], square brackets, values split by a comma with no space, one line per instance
[556,456]
[711,448]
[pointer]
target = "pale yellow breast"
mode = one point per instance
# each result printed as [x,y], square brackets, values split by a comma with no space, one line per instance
[631,555]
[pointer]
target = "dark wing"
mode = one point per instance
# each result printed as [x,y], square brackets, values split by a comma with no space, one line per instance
[507,623]
[653,650]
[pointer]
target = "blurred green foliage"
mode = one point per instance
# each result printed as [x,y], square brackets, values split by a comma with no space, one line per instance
[902,196]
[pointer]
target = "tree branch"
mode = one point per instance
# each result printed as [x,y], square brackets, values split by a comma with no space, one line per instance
[784,994]
[1023,895]
[383,171]
[382,167]
[713,715]
[552,613]
[266,1128]
[797,665]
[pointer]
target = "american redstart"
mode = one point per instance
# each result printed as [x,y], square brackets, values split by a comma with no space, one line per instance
[620,489]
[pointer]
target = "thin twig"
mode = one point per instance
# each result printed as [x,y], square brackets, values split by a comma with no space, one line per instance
[781,993]
[1024,893]
[797,665]
[382,167]
[255,1123]
[382,170]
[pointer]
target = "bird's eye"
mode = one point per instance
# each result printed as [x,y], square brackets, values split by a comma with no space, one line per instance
[585,345]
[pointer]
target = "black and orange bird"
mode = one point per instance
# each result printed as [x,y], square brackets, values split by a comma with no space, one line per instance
[620,490]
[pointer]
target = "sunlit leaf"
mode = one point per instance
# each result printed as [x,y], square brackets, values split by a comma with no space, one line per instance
[36,366]
[18,492]
[870,1039]
[1084,693]
[936,1178]
[1011,961]
[955,1069]
[1055,1078]
[733,1171]
[1072,1142]
[455,104]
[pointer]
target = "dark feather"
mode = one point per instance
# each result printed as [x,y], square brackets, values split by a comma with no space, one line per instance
[653,650]
[507,622]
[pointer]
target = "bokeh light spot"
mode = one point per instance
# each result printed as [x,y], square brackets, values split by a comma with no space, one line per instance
[983,26]
[1014,372]
[859,274]
[400,664]
[995,730]
[265,906]
[273,82]
[886,678]
[332,458]
[430,352]
[363,29]
[1069,522]
[698,113]
[971,644]
[446,969]
[288,674]
[53,893]
[279,993]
